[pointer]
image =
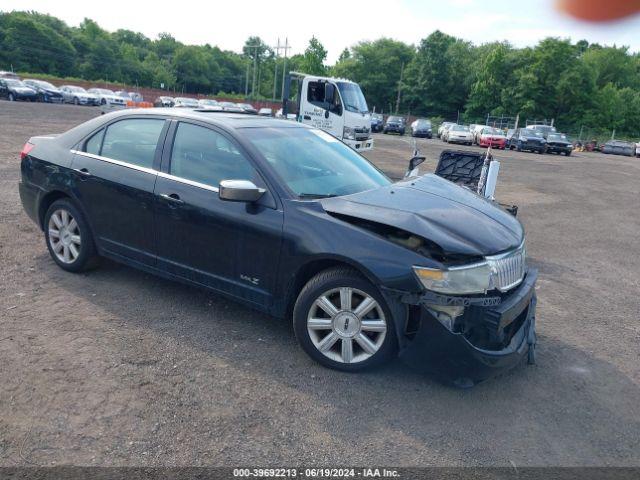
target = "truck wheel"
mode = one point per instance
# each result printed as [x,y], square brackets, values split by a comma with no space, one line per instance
[342,321]
[68,237]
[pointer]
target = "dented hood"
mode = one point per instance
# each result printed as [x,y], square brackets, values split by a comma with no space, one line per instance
[456,219]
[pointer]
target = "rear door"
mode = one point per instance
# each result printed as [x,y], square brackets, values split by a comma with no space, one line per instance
[115,173]
[232,247]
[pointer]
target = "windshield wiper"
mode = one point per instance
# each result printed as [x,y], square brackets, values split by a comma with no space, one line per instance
[316,195]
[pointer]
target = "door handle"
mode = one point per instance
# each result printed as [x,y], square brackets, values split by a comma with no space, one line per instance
[307,117]
[173,198]
[82,171]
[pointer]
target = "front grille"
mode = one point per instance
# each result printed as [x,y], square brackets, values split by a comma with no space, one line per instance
[508,268]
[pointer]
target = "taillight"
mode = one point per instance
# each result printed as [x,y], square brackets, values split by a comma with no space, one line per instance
[26,149]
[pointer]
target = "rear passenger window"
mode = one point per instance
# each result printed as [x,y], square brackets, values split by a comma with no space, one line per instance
[94,143]
[133,141]
[205,156]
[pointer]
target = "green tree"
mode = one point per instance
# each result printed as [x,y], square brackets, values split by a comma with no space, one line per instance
[314,57]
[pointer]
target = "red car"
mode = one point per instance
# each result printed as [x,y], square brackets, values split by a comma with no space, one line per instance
[494,137]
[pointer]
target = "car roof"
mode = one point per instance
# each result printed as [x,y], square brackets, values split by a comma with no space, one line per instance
[230,120]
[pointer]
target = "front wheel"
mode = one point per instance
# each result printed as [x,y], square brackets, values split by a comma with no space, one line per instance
[68,237]
[12,97]
[76,101]
[341,321]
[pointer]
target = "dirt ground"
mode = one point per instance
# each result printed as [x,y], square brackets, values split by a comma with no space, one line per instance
[116,367]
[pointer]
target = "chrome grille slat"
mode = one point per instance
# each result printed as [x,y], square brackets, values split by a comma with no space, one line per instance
[508,268]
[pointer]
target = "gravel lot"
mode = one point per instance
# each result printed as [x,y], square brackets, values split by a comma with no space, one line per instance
[116,367]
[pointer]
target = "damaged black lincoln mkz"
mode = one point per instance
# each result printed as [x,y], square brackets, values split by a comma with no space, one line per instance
[292,222]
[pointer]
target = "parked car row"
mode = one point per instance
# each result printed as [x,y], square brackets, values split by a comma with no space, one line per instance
[210,104]
[13,88]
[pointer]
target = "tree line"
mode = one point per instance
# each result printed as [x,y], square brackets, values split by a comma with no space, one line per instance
[444,77]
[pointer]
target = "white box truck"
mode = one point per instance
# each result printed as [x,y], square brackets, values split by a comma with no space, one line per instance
[334,105]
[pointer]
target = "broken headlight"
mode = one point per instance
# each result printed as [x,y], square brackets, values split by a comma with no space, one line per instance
[463,280]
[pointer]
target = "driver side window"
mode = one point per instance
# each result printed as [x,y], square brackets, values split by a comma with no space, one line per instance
[206,156]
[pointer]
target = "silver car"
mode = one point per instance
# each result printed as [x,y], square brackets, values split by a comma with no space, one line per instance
[78,95]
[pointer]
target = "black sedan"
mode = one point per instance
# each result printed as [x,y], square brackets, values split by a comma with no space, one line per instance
[559,143]
[46,91]
[290,221]
[13,90]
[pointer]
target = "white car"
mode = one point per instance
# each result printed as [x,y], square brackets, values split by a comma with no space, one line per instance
[185,102]
[209,104]
[265,112]
[458,134]
[476,132]
[108,97]
[78,95]
[443,126]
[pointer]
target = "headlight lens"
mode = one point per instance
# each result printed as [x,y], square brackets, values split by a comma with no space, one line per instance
[465,280]
[348,133]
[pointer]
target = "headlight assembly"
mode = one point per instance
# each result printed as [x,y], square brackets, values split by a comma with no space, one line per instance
[348,133]
[464,280]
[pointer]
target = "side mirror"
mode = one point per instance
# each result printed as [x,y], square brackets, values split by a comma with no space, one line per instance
[239,191]
[415,161]
[329,92]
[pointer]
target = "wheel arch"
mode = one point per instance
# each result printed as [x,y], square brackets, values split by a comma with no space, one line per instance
[46,201]
[311,268]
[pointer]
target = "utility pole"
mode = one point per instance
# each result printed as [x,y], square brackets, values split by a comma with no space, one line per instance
[284,64]
[255,63]
[275,73]
[399,87]
[246,81]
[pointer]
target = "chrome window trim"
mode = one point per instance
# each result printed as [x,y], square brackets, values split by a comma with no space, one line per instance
[116,162]
[146,170]
[188,182]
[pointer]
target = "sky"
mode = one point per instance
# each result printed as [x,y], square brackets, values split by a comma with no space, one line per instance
[337,24]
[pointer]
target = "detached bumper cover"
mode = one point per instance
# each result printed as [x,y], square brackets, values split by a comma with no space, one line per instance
[455,358]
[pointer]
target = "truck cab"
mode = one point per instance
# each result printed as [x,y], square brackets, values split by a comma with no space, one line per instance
[334,105]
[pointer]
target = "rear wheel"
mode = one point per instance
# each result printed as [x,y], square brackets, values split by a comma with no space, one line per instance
[341,321]
[12,97]
[76,101]
[68,237]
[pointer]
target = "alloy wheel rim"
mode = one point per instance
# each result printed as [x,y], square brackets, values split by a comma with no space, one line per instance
[64,236]
[346,325]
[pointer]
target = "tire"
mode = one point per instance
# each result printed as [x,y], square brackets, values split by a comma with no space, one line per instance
[55,220]
[103,102]
[76,101]
[518,148]
[12,97]
[380,342]
[567,153]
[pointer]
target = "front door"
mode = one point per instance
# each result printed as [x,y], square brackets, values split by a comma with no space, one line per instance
[232,247]
[327,116]
[114,180]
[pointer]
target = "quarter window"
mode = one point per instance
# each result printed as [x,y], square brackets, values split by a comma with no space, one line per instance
[206,156]
[94,143]
[133,141]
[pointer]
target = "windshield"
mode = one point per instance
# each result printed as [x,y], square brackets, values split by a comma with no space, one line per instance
[76,89]
[312,163]
[459,128]
[491,131]
[43,84]
[14,83]
[104,91]
[423,123]
[394,119]
[377,116]
[352,97]
[557,136]
[531,133]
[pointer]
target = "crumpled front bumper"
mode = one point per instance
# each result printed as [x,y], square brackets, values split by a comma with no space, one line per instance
[454,359]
